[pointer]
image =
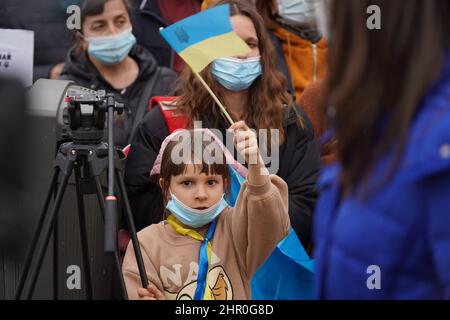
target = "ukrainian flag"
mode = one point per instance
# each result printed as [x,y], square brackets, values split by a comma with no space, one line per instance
[204,37]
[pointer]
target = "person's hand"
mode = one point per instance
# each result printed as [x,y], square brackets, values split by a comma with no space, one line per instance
[56,71]
[246,143]
[151,293]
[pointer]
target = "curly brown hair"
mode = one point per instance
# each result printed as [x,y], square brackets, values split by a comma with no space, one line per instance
[267,95]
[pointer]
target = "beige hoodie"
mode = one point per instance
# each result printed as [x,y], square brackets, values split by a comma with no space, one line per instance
[245,236]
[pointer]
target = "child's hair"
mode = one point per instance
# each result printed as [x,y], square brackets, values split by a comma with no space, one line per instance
[195,144]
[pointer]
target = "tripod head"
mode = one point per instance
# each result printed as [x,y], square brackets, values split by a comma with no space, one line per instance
[85,113]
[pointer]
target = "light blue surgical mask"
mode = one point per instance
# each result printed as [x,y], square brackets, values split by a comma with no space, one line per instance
[193,217]
[298,11]
[236,74]
[111,50]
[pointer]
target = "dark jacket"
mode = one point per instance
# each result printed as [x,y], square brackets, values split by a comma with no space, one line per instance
[299,167]
[47,18]
[81,70]
[146,21]
[282,64]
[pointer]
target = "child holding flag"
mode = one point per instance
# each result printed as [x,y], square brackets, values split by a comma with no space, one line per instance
[244,79]
[249,84]
[206,250]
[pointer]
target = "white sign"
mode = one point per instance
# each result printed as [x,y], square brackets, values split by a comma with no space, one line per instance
[16,55]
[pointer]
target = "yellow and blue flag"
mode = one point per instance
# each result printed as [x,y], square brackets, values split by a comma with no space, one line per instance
[288,273]
[204,37]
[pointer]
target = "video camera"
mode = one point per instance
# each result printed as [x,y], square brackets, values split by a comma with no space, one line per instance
[85,114]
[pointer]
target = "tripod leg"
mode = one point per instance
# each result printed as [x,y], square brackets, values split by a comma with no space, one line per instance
[46,232]
[83,236]
[36,235]
[55,259]
[101,202]
[132,229]
[100,196]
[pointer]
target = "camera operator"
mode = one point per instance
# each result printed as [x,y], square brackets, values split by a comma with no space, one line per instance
[106,57]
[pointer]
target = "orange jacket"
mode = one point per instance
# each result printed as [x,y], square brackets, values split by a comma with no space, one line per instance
[207,3]
[306,61]
[310,103]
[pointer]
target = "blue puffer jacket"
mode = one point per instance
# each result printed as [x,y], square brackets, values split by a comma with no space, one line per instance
[396,242]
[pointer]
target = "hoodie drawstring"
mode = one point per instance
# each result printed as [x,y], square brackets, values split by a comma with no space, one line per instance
[291,62]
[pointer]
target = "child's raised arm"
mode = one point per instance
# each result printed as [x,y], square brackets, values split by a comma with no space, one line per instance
[260,219]
[247,146]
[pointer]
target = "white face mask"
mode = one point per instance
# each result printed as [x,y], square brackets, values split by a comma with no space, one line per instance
[298,11]
[322,18]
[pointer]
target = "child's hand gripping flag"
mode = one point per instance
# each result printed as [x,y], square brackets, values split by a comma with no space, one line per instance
[204,37]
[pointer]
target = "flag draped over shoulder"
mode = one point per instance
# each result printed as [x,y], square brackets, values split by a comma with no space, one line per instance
[288,273]
[204,37]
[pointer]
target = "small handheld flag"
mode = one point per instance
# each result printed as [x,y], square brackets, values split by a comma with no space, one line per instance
[204,37]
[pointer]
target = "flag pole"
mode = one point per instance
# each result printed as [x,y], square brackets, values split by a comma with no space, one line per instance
[222,107]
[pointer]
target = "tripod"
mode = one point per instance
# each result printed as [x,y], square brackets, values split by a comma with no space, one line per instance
[94,159]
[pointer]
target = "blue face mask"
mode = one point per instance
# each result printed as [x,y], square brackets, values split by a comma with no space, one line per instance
[236,74]
[111,50]
[193,217]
